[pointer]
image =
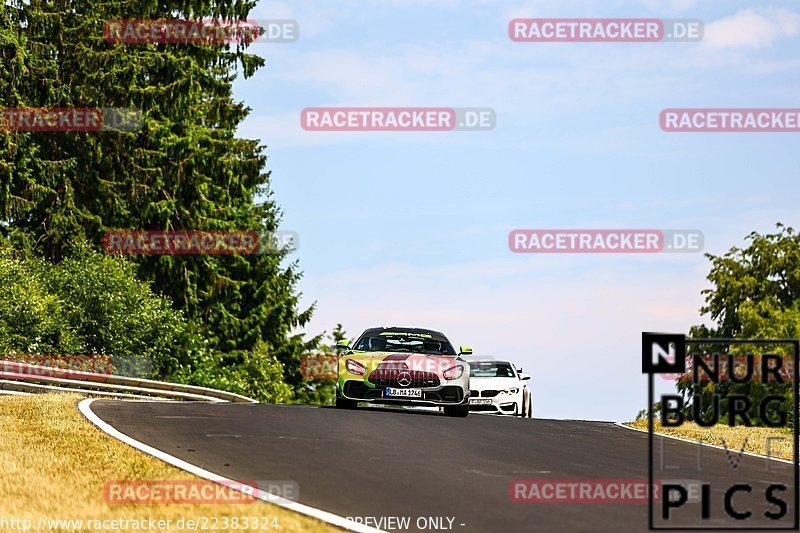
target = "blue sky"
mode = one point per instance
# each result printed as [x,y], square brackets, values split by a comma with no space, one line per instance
[410,228]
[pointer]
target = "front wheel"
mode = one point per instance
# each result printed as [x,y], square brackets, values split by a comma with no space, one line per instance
[457,410]
[344,403]
[525,409]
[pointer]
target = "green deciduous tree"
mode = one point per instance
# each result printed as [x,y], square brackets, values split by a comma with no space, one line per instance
[321,391]
[755,294]
[752,284]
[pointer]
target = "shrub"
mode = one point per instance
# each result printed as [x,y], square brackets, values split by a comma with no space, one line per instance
[89,304]
[256,373]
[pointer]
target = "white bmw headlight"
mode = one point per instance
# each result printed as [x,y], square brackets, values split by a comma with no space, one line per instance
[512,390]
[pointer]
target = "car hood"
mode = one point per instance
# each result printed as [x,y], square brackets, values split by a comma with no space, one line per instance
[493,383]
[402,361]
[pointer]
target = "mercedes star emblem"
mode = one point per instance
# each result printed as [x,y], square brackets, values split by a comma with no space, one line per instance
[404,379]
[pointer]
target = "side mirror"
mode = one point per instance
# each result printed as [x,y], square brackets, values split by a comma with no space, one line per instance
[465,350]
[344,344]
[524,377]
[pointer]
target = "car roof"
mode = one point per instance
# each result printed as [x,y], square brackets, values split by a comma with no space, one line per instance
[486,359]
[401,329]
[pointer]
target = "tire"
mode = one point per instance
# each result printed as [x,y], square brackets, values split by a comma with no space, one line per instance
[529,408]
[457,410]
[525,412]
[344,403]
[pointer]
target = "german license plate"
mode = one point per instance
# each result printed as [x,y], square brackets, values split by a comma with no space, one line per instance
[480,401]
[404,393]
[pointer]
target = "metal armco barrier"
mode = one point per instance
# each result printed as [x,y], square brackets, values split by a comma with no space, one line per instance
[24,378]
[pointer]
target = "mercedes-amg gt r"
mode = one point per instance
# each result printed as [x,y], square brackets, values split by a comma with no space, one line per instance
[403,366]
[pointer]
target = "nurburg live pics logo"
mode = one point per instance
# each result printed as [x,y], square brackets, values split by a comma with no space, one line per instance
[733,508]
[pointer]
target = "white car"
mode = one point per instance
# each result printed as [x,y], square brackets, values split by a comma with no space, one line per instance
[498,387]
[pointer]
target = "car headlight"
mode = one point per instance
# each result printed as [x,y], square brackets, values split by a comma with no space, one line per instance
[454,372]
[354,367]
[512,390]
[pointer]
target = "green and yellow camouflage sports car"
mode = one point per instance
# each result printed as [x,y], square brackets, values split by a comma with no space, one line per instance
[403,366]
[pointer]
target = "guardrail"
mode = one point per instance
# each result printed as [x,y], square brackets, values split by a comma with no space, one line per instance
[24,378]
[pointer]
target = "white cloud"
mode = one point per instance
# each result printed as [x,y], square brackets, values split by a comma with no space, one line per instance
[669,5]
[525,84]
[752,28]
[528,85]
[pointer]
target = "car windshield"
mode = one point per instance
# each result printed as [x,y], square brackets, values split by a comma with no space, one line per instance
[490,369]
[404,342]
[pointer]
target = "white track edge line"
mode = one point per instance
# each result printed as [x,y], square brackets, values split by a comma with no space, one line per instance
[85,408]
[751,454]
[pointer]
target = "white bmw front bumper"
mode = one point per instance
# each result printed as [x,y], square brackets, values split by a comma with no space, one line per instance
[498,404]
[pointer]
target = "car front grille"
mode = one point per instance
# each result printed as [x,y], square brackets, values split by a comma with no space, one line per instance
[358,390]
[490,393]
[388,377]
[482,408]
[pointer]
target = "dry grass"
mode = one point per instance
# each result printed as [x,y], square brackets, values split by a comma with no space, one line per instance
[732,437]
[56,464]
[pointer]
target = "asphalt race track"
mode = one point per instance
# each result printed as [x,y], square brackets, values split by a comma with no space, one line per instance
[400,463]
